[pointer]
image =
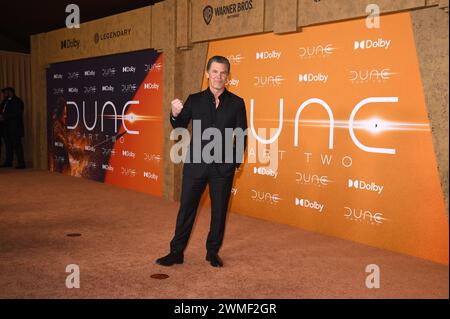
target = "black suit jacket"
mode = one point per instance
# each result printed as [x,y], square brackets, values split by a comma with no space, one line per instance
[13,116]
[230,113]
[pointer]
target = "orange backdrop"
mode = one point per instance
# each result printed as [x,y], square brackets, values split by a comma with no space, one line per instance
[142,171]
[363,166]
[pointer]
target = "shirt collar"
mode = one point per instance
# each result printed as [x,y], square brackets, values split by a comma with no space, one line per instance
[221,96]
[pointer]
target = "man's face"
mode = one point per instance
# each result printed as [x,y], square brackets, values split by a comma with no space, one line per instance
[217,75]
[5,95]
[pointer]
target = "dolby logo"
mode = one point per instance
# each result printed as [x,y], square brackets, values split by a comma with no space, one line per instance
[265,171]
[72,43]
[275,55]
[72,90]
[89,73]
[128,69]
[362,185]
[107,167]
[309,204]
[151,86]
[233,82]
[310,77]
[107,88]
[151,176]
[58,76]
[128,154]
[372,44]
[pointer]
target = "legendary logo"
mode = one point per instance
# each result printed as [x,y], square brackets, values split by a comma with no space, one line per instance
[111,35]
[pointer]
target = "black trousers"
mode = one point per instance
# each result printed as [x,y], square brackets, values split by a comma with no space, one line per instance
[191,192]
[14,145]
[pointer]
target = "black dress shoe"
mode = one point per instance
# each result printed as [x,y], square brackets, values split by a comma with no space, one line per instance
[6,165]
[20,167]
[214,260]
[171,259]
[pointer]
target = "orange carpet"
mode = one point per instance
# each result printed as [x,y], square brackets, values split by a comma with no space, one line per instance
[123,232]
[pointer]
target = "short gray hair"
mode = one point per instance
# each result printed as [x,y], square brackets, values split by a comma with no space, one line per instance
[218,59]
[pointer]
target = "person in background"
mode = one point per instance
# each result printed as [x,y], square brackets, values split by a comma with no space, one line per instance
[12,115]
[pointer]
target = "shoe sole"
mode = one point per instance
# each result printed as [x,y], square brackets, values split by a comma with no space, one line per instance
[168,265]
[218,265]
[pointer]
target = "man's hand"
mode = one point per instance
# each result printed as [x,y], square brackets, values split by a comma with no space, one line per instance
[177,106]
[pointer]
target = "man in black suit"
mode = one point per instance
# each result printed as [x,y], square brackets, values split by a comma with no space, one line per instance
[214,109]
[13,127]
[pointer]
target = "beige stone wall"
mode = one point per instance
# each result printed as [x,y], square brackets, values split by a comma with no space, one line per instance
[177,28]
[431,34]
